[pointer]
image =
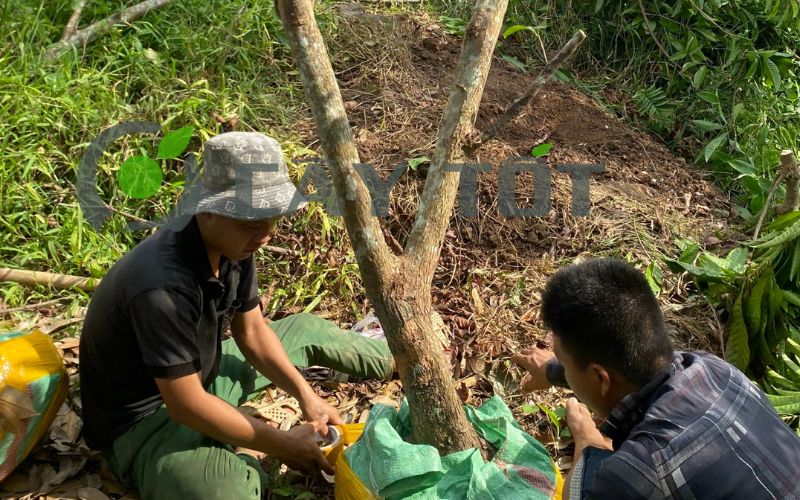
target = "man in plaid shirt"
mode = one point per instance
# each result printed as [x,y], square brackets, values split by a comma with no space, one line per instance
[675,424]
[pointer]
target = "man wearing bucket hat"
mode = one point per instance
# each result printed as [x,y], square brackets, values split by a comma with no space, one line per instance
[159,383]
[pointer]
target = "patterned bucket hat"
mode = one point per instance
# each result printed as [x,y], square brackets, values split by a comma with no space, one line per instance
[245,177]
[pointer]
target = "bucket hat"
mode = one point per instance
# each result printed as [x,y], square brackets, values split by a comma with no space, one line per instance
[245,177]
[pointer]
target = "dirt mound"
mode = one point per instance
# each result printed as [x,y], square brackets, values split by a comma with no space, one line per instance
[394,73]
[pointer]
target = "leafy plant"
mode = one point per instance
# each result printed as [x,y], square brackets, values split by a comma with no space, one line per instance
[140,176]
[762,297]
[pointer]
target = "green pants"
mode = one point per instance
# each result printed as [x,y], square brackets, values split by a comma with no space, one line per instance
[165,460]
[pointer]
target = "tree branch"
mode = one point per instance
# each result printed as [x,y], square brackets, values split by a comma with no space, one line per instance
[25,277]
[336,138]
[436,205]
[519,104]
[72,25]
[94,31]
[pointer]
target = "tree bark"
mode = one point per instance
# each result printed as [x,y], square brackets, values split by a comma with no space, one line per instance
[400,287]
[72,24]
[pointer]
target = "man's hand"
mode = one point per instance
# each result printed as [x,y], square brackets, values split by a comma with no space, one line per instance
[583,428]
[299,449]
[535,361]
[318,412]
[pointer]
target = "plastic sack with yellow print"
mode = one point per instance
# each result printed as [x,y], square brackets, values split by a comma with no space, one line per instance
[383,464]
[33,384]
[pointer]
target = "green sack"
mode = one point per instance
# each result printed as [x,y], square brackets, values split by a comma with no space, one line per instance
[393,468]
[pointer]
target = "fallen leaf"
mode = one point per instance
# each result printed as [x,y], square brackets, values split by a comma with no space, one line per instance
[89,493]
[67,425]
[93,480]
[68,343]
[15,406]
[67,467]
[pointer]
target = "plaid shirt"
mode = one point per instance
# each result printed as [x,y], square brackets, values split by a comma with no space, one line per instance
[700,429]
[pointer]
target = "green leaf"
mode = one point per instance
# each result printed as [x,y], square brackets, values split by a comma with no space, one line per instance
[754,303]
[742,166]
[513,61]
[174,143]
[737,108]
[737,260]
[706,126]
[140,177]
[713,145]
[709,96]
[541,150]
[699,76]
[598,5]
[737,348]
[785,405]
[413,163]
[514,29]
[552,416]
[783,221]
[781,237]
[529,409]
[654,278]
[774,73]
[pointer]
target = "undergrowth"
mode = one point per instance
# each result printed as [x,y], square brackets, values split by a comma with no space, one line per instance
[205,64]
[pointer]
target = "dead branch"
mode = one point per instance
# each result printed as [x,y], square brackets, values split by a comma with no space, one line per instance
[94,31]
[791,173]
[30,307]
[26,277]
[516,107]
[72,25]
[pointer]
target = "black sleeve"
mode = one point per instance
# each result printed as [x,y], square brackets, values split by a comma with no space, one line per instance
[165,322]
[554,371]
[247,293]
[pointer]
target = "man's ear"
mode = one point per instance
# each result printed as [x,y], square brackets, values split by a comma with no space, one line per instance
[601,377]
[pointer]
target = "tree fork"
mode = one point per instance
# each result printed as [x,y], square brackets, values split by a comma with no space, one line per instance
[399,287]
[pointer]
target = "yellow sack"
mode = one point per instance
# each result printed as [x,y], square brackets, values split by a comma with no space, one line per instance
[33,385]
[348,486]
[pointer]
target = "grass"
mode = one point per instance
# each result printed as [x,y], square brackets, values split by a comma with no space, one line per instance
[186,64]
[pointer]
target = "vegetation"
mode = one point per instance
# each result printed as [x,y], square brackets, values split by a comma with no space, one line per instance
[201,64]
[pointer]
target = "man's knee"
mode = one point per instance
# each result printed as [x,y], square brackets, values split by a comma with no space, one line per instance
[203,473]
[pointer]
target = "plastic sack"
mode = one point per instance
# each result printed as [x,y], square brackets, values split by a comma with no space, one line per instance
[383,465]
[33,385]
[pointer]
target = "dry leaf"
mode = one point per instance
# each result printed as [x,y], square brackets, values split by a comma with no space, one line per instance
[67,426]
[480,307]
[68,466]
[89,493]
[15,406]
[93,480]
[68,343]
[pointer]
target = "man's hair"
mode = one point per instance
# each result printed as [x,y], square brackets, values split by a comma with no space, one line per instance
[604,312]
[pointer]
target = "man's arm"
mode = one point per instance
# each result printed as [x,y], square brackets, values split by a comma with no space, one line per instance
[587,440]
[262,349]
[190,405]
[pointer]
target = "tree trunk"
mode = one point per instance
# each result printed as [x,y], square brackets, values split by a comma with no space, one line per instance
[400,286]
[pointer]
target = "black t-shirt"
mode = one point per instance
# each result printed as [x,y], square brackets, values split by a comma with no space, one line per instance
[158,313]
